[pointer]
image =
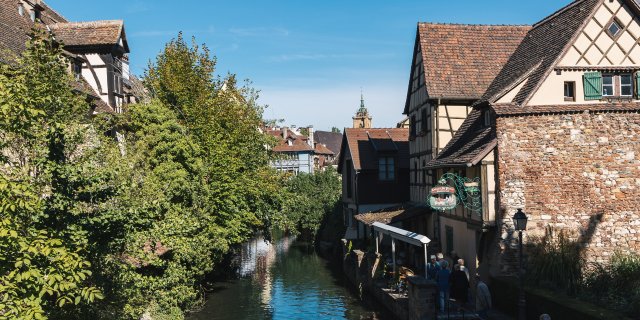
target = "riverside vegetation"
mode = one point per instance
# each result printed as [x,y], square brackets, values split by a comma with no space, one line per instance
[121,216]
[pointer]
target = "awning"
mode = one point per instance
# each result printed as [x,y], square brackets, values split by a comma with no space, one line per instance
[410,237]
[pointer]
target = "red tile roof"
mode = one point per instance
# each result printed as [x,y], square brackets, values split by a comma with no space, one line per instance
[537,54]
[469,145]
[460,61]
[322,149]
[93,33]
[298,142]
[512,109]
[364,145]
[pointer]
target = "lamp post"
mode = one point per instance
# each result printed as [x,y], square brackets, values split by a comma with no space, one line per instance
[520,224]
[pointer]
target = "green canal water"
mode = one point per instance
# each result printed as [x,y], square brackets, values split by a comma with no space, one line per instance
[284,280]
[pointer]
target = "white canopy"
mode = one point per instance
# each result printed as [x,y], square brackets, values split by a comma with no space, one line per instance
[401,235]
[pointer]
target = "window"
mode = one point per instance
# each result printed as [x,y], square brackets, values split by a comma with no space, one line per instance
[486,114]
[386,169]
[607,85]
[413,124]
[415,172]
[569,91]
[349,179]
[626,85]
[449,238]
[614,29]
[425,121]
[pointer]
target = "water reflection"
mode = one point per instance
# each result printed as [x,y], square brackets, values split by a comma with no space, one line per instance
[283,280]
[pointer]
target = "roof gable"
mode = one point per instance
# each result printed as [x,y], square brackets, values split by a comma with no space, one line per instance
[362,144]
[540,50]
[460,61]
[107,33]
[595,46]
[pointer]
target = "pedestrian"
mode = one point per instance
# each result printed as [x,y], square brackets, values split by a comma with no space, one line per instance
[432,268]
[483,298]
[463,268]
[459,285]
[442,279]
[440,258]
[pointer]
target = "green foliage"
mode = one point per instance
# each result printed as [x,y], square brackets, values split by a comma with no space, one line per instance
[43,263]
[312,197]
[336,130]
[616,285]
[555,261]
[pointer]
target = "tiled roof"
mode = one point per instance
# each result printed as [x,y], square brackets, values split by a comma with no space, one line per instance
[322,149]
[539,50]
[391,215]
[93,33]
[298,142]
[460,61]
[362,143]
[15,28]
[330,139]
[511,109]
[469,145]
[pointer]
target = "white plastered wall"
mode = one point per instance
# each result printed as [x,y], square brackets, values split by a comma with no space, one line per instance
[99,67]
[594,47]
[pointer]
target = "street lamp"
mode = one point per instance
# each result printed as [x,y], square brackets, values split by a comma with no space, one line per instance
[520,224]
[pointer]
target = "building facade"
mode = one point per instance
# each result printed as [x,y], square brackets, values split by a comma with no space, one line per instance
[452,66]
[374,168]
[97,50]
[556,134]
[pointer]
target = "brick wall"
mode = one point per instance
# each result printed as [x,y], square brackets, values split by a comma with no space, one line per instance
[578,172]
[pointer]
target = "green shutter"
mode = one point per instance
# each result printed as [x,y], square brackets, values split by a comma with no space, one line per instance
[638,85]
[592,86]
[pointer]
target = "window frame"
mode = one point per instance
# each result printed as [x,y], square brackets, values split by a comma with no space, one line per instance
[572,85]
[630,85]
[386,168]
[613,85]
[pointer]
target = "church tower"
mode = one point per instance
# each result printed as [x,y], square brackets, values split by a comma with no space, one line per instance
[362,119]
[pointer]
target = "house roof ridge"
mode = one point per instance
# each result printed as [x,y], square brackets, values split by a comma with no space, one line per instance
[49,8]
[556,13]
[471,24]
[88,24]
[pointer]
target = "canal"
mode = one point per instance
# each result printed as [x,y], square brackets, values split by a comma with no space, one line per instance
[284,280]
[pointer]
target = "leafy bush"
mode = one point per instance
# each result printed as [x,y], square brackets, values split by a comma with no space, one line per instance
[616,285]
[555,261]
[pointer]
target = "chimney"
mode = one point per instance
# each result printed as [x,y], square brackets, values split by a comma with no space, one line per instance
[284,132]
[311,139]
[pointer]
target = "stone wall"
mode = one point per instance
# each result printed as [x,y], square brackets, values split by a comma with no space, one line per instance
[576,172]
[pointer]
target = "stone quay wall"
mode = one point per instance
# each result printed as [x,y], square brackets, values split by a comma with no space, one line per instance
[576,172]
[360,269]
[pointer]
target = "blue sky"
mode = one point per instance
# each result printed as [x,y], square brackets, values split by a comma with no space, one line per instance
[310,59]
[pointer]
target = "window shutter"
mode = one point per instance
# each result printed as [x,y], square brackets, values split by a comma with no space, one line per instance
[638,85]
[592,86]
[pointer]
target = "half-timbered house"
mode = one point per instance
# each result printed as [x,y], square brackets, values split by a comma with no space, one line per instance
[557,134]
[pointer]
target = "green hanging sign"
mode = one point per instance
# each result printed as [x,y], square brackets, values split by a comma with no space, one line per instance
[453,190]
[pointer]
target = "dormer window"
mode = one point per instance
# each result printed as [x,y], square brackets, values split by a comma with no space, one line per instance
[614,29]
[486,118]
[21,9]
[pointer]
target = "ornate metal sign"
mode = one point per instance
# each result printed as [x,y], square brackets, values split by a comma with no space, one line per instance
[464,191]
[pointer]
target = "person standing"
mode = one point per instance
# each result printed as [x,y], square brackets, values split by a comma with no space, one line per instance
[463,268]
[483,298]
[459,285]
[432,268]
[442,279]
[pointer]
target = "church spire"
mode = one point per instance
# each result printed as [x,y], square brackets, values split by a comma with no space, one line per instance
[362,119]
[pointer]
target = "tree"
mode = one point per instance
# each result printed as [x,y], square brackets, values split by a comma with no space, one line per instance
[43,264]
[336,130]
